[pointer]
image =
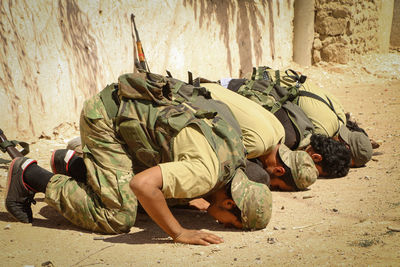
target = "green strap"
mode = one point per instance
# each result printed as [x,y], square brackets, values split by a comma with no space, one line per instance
[5,144]
[277,78]
[14,143]
[108,101]
[177,86]
[253,75]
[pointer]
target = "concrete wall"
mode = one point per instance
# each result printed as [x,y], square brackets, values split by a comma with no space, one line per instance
[303,28]
[55,54]
[347,27]
[395,32]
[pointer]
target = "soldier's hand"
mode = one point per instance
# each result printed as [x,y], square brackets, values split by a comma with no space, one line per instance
[200,204]
[196,237]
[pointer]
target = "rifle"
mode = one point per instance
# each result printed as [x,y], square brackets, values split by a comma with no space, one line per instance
[142,64]
[9,146]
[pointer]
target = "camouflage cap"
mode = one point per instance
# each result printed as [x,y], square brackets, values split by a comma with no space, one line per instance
[301,165]
[360,145]
[253,199]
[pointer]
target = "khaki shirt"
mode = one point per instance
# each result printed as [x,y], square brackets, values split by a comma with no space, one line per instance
[261,130]
[195,168]
[324,119]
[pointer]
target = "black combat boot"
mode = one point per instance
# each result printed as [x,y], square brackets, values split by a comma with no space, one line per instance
[19,195]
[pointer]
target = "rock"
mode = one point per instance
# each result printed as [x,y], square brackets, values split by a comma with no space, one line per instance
[335,53]
[340,13]
[316,56]
[335,210]
[330,26]
[47,264]
[394,229]
[7,227]
[317,44]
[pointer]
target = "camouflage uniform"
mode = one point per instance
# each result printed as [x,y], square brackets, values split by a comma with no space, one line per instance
[138,137]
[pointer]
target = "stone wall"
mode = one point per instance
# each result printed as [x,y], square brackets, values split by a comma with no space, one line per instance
[347,27]
[55,54]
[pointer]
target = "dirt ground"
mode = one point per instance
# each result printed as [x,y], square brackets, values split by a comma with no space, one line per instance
[350,221]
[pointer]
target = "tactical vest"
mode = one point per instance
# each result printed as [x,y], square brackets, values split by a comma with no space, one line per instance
[152,111]
[274,93]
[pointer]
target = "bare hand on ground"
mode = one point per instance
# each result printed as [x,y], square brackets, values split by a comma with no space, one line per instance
[196,237]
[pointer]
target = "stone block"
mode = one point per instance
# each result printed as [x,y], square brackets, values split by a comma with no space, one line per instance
[335,53]
[340,13]
[317,44]
[316,56]
[331,26]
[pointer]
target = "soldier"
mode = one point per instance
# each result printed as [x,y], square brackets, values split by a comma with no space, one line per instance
[327,115]
[263,137]
[329,119]
[140,144]
[330,157]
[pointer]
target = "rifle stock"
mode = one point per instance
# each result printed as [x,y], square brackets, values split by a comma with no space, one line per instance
[142,59]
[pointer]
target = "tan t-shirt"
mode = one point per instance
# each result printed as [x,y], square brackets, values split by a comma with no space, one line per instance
[195,168]
[324,119]
[261,130]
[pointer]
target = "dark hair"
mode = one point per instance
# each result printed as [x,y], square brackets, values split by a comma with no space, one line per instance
[336,157]
[237,212]
[287,177]
[353,126]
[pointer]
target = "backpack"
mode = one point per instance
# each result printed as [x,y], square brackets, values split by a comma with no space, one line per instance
[275,92]
[151,109]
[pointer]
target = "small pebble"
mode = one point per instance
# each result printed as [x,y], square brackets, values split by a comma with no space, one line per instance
[275,228]
[394,229]
[335,210]
[7,227]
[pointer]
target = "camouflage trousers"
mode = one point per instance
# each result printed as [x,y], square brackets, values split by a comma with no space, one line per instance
[105,203]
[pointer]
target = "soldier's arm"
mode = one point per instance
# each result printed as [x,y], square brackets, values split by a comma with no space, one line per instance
[147,186]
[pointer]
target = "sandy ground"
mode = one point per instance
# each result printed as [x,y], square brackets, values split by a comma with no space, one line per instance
[353,220]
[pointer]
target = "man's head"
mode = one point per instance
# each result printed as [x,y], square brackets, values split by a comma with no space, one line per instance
[289,170]
[331,157]
[246,205]
[360,146]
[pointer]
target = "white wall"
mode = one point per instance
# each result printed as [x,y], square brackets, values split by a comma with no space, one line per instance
[55,54]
